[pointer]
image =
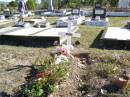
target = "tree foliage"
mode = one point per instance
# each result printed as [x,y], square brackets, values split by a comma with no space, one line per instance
[113,3]
[12,4]
[1,7]
[31,4]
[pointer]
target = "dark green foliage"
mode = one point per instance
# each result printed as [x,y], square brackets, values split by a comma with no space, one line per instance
[33,89]
[46,76]
[12,4]
[113,3]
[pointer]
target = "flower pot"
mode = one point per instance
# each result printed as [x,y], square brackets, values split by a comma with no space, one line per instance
[121,82]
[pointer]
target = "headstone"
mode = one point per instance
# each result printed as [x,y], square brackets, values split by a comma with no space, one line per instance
[69,34]
[98,11]
[98,16]
[7,13]
[2,17]
[128,25]
[50,5]
[76,11]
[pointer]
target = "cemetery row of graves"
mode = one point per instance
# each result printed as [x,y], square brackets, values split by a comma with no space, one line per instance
[78,80]
[86,60]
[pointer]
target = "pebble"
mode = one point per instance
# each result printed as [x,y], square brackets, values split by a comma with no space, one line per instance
[103,91]
[50,95]
[81,66]
[90,95]
[57,86]
[83,92]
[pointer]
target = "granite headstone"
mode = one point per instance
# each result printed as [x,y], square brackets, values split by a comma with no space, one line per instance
[76,11]
[98,11]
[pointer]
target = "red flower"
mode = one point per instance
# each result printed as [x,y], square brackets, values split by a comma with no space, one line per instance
[40,75]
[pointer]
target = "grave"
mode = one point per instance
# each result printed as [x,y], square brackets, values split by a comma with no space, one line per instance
[28,24]
[2,17]
[116,37]
[43,34]
[98,16]
[60,12]
[69,34]
[7,13]
[75,18]
[3,20]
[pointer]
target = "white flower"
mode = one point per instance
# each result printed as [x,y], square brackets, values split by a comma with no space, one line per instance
[58,60]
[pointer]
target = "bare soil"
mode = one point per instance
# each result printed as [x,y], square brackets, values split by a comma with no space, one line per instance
[82,79]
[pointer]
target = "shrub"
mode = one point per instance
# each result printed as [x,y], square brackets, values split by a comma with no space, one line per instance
[33,89]
[46,76]
[104,70]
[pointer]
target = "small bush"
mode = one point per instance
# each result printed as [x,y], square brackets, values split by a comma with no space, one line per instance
[46,76]
[104,70]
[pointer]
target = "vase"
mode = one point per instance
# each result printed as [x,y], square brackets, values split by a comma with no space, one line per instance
[121,82]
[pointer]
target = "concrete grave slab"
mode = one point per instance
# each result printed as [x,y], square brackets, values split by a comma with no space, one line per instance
[25,32]
[9,30]
[115,33]
[90,22]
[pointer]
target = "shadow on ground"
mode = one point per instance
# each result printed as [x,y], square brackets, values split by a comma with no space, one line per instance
[28,41]
[97,42]
[3,94]
[109,44]
[19,67]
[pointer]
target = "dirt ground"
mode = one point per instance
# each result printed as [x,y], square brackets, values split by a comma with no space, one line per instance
[15,65]
[81,81]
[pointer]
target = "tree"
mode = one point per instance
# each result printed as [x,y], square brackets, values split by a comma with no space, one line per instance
[31,4]
[44,4]
[79,3]
[113,3]
[1,7]
[12,4]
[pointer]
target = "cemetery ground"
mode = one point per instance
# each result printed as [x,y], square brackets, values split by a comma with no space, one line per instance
[83,79]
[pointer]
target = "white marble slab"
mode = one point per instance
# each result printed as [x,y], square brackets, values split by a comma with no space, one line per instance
[2,22]
[25,32]
[75,19]
[54,32]
[35,21]
[115,33]
[9,30]
[31,31]
[91,22]
[41,32]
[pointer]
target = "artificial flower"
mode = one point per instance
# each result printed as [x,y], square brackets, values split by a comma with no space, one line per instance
[40,75]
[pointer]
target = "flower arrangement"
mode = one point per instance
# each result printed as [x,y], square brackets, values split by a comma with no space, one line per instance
[46,75]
